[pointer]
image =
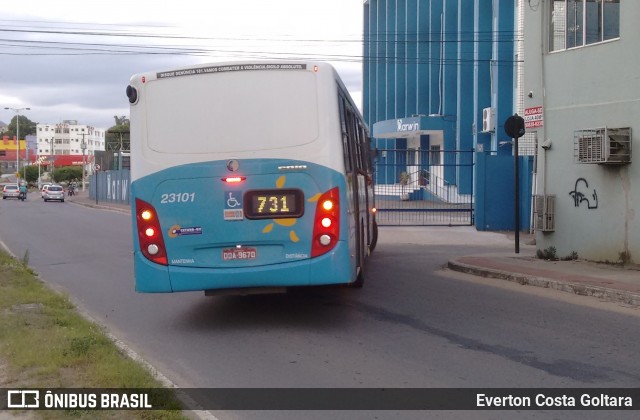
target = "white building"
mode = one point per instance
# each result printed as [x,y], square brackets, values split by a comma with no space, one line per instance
[582,87]
[67,138]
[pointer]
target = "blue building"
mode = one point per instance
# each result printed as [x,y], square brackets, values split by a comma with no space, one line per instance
[440,79]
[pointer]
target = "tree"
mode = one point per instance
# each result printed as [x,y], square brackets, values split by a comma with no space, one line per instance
[67,173]
[27,127]
[117,137]
[30,173]
[121,120]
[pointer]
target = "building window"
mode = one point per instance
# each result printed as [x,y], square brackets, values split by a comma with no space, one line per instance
[435,157]
[576,23]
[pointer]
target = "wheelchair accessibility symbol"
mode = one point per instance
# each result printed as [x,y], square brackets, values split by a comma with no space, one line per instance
[233,206]
[232,201]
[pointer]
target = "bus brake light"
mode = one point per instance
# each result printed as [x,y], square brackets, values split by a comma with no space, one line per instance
[148,226]
[234,179]
[326,225]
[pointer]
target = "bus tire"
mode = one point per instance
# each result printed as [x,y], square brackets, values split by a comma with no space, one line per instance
[374,236]
[361,263]
[359,280]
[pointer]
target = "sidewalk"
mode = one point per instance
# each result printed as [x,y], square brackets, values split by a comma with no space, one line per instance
[608,282]
[82,197]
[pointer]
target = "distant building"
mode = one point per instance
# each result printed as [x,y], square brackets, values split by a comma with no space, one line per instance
[440,77]
[8,153]
[67,142]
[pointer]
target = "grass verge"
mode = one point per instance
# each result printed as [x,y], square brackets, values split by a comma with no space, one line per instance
[45,343]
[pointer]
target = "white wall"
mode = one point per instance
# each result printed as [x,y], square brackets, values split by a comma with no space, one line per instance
[587,87]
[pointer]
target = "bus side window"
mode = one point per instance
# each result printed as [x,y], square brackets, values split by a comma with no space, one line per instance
[344,124]
[358,143]
[352,129]
[363,145]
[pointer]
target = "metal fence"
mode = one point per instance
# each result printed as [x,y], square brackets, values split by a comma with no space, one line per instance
[110,186]
[415,187]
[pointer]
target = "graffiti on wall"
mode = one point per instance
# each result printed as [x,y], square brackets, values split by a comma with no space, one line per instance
[579,196]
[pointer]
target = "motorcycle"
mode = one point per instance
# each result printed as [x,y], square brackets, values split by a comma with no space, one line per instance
[72,190]
[22,196]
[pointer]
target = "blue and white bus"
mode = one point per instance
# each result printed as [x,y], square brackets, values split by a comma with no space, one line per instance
[248,177]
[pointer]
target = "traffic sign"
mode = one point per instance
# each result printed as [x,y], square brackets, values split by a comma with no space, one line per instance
[514,126]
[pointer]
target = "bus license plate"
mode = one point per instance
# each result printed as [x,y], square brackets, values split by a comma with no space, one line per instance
[230,254]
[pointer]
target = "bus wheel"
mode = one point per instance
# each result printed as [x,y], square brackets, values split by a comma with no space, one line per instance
[361,258]
[359,280]
[374,237]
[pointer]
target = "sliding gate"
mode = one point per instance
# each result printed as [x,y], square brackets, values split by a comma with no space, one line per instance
[424,187]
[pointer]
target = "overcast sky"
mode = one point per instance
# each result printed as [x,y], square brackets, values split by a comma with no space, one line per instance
[72,59]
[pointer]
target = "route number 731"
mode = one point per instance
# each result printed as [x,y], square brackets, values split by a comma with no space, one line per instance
[277,204]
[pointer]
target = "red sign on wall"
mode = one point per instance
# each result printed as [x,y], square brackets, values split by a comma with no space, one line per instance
[533,117]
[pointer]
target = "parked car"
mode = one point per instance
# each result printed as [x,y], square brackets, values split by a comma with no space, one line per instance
[44,188]
[53,192]
[10,191]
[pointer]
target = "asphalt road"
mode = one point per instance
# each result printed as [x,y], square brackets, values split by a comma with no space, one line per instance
[413,324]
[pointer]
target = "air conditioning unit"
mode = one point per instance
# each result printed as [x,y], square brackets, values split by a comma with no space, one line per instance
[544,209]
[602,145]
[488,120]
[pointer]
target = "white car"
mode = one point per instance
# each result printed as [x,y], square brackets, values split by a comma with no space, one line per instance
[10,191]
[44,188]
[53,192]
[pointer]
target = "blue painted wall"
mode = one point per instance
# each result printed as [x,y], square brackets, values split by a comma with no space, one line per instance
[483,42]
[495,189]
[503,69]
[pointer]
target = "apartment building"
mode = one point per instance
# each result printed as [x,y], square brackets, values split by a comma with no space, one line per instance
[69,138]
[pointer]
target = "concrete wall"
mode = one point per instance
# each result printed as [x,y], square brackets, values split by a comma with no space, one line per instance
[588,87]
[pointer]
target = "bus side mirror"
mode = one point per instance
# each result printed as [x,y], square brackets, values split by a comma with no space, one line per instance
[132,94]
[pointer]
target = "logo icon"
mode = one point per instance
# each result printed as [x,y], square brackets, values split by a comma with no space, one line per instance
[23,399]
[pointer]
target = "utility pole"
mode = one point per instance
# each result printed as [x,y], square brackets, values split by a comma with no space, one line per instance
[83,146]
[52,159]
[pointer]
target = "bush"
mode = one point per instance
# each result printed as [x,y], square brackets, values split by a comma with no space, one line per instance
[67,173]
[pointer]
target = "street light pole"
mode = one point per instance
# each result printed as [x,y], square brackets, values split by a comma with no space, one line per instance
[17,111]
[83,146]
[52,159]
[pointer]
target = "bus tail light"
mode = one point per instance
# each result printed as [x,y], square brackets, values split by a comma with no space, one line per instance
[234,179]
[326,225]
[150,233]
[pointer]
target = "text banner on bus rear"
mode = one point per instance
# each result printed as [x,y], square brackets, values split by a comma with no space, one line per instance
[229,68]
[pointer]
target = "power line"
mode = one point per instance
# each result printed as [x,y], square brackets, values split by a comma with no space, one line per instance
[399,42]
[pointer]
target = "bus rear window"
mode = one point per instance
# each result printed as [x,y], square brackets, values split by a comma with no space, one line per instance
[231,112]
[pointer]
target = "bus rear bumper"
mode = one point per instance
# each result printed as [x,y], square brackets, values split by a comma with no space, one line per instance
[334,267]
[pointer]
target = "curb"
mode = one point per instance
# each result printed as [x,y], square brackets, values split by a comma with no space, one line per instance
[603,293]
[101,207]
